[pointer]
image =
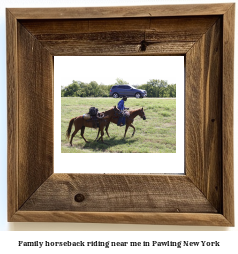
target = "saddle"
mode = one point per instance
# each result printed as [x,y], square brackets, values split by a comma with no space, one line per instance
[93,115]
[93,111]
[124,113]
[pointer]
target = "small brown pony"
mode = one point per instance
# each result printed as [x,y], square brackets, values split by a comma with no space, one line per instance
[129,120]
[80,123]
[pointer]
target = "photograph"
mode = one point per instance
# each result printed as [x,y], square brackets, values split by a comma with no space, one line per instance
[119,104]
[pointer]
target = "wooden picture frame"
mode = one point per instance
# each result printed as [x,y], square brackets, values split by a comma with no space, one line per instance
[204,34]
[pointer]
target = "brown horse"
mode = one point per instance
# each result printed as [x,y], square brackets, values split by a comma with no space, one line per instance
[129,120]
[80,123]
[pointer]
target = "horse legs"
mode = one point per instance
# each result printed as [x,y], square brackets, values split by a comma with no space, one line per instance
[133,130]
[102,133]
[82,132]
[97,135]
[72,136]
[75,132]
[101,137]
[106,129]
[127,126]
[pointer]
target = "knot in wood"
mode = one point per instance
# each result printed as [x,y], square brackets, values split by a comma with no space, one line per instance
[79,198]
[143,45]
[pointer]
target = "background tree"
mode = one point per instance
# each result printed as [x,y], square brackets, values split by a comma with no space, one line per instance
[154,87]
[121,82]
[70,90]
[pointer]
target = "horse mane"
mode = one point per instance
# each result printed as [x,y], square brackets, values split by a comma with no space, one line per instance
[114,107]
[134,110]
[110,109]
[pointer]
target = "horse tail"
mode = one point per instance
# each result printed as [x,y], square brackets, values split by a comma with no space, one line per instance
[69,128]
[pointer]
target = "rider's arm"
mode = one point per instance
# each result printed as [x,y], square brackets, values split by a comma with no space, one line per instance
[121,105]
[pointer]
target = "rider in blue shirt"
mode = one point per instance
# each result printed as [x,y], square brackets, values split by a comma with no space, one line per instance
[121,107]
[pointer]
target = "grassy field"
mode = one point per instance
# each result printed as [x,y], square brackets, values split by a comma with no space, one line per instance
[156,134]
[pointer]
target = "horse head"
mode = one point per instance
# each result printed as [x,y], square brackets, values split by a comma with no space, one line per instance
[142,114]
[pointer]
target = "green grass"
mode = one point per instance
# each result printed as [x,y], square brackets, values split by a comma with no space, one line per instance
[156,134]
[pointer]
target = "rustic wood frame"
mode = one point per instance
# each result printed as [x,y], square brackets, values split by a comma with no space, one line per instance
[204,34]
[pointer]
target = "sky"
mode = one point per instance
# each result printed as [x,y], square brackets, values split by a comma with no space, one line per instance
[135,70]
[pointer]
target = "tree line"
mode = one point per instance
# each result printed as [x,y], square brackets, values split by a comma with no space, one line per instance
[154,88]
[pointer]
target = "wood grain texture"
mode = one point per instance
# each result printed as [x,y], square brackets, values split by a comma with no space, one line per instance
[204,196]
[72,48]
[203,142]
[198,219]
[35,102]
[227,113]
[12,116]
[174,36]
[121,12]
[49,29]
[140,193]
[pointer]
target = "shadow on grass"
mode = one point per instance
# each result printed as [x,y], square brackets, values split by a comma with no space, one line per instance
[98,146]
